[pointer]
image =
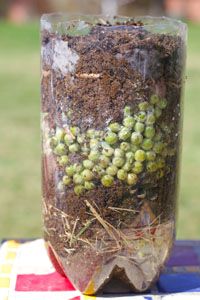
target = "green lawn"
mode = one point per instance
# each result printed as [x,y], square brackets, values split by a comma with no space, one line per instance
[20,193]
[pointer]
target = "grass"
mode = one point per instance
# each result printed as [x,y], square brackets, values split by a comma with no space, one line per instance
[20,192]
[189,206]
[19,129]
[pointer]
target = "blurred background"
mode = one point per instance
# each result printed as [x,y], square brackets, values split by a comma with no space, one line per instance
[20,193]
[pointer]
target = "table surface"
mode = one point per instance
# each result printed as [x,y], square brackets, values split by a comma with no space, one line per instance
[181,275]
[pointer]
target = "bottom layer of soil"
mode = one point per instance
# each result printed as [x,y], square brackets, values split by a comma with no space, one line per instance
[136,260]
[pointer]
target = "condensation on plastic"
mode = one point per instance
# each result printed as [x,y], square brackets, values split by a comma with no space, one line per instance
[147,242]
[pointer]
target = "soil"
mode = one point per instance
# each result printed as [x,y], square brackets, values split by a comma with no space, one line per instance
[128,64]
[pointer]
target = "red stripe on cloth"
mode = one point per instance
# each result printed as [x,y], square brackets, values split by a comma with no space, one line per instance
[46,282]
[75,298]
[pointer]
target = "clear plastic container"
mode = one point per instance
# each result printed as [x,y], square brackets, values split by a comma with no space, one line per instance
[111,124]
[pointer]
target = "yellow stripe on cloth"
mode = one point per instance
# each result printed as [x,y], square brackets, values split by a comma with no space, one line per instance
[5,268]
[85,297]
[13,244]
[11,255]
[4,282]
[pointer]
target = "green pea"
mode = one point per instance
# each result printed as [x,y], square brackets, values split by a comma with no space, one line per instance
[162,103]
[164,152]
[150,119]
[53,142]
[94,143]
[158,112]
[89,185]
[139,127]
[132,179]
[152,166]
[124,146]
[69,139]
[158,147]
[130,157]
[160,163]
[141,116]
[88,164]
[84,149]
[150,155]
[75,130]
[91,133]
[60,134]
[127,166]
[158,137]
[118,161]
[134,148]
[107,180]
[105,145]
[78,168]
[66,180]
[107,149]
[70,170]
[124,133]
[147,144]
[160,174]
[127,111]
[104,161]
[60,149]
[68,113]
[99,133]
[74,148]
[108,152]
[99,170]
[77,179]
[129,122]
[94,155]
[121,174]
[118,152]
[114,127]
[63,160]
[143,105]
[149,132]
[136,138]
[112,170]
[87,175]
[137,167]
[81,138]
[154,99]
[79,190]
[111,138]
[140,155]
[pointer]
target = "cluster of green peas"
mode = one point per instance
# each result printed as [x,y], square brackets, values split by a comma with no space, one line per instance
[121,151]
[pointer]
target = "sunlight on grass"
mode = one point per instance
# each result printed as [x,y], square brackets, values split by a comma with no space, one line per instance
[189,206]
[19,127]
